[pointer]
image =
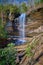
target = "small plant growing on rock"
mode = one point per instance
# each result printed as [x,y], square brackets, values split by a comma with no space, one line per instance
[31,49]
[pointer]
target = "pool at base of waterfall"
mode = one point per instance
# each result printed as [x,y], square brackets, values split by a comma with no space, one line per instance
[18,42]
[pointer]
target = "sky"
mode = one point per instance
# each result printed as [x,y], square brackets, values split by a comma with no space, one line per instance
[13,1]
[17,2]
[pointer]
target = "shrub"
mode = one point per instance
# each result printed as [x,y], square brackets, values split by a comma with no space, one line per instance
[8,55]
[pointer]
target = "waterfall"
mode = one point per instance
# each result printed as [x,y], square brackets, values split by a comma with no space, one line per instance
[21,28]
[22,19]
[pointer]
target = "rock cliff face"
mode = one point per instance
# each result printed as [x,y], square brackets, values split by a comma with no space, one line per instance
[35,23]
[34,30]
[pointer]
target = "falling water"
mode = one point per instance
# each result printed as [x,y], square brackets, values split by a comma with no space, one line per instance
[21,38]
[22,19]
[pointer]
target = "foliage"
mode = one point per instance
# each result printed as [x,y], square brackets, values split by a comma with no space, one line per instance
[38,1]
[29,51]
[3,33]
[23,7]
[1,7]
[7,9]
[3,10]
[8,55]
[13,8]
[31,47]
[41,1]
